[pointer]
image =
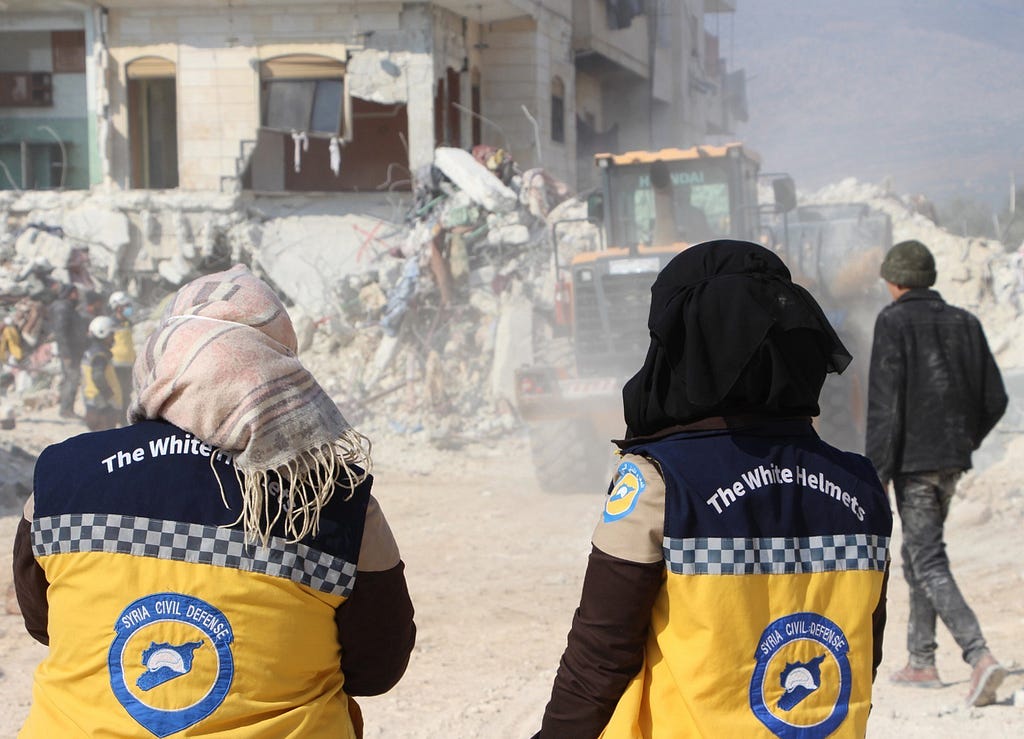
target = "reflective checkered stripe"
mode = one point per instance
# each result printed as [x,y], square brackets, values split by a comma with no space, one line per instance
[189,542]
[775,555]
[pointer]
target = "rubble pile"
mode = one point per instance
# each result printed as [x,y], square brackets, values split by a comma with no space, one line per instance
[980,275]
[434,328]
[415,314]
[413,322]
[16,467]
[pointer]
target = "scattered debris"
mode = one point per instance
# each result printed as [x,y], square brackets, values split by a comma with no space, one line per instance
[413,312]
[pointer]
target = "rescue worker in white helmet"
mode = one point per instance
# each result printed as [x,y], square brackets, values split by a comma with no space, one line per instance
[101,389]
[122,353]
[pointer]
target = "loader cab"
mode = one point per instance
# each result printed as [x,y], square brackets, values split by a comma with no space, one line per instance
[678,196]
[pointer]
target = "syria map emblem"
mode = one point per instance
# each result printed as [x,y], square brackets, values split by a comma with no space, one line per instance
[629,484]
[170,662]
[165,662]
[802,681]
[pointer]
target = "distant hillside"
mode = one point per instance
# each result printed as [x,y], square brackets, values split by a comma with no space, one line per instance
[929,93]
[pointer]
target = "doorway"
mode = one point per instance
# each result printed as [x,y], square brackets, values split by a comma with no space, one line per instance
[153,123]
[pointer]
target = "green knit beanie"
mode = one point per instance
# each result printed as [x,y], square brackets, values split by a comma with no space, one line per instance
[909,264]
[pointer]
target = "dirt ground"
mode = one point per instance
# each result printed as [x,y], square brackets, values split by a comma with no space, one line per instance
[495,567]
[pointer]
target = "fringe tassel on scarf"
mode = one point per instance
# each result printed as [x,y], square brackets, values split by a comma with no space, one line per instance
[222,365]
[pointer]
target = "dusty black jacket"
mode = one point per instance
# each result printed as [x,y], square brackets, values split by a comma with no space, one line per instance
[69,329]
[934,388]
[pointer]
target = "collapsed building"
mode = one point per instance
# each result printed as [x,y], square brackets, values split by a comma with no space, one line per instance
[415,324]
[321,96]
[331,147]
[168,142]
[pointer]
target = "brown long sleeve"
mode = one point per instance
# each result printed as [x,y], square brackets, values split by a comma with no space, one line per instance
[878,618]
[377,632]
[30,585]
[605,647]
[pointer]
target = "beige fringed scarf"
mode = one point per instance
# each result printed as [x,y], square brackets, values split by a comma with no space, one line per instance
[222,365]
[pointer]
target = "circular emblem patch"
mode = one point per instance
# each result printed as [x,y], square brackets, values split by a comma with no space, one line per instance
[629,484]
[170,662]
[802,682]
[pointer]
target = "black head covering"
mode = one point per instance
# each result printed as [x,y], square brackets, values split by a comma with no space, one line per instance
[731,334]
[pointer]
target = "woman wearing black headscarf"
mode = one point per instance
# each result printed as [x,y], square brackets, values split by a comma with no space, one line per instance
[736,585]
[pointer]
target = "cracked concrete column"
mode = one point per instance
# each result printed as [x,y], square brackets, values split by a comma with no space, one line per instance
[420,73]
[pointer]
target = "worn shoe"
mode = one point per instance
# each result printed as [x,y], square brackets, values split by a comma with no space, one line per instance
[917,677]
[986,678]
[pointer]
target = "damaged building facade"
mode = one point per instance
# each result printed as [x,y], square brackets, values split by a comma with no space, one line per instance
[317,96]
[390,167]
[48,138]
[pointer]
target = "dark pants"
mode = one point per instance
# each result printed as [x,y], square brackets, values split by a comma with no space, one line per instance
[101,419]
[124,376]
[70,376]
[922,500]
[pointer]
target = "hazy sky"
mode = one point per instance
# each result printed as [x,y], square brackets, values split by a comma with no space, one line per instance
[926,93]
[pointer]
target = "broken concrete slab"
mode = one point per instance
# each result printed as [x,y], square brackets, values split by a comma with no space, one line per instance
[379,76]
[175,270]
[475,179]
[305,257]
[33,243]
[101,229]
[512,344]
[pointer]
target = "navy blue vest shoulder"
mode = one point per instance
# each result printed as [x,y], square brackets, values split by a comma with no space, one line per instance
[778,479]
[158,471]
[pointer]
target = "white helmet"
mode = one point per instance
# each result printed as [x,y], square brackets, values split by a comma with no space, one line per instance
[118,299]
[42,264]
[102,327]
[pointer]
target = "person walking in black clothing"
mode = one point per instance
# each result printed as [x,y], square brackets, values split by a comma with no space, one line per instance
[68,328]
[935,392]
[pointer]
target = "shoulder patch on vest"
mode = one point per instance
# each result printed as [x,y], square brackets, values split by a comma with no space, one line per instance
[629,484]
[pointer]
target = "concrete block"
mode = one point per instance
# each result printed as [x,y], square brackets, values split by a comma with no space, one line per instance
[511,340]
[163,27]
[293,23]
[494,59]
[196,78]
[134,29]
[200,26]
[237,95]
[474,179]
[245,76]
[519,89]
[202,148]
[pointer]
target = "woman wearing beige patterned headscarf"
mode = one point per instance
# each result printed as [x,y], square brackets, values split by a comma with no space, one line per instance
[222,533]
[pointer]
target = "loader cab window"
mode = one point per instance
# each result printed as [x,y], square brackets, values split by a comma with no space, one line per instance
[700,203]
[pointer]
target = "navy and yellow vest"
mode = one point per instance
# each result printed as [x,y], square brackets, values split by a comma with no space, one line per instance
[163,619]
[775,545]
[97,360]
[122,351]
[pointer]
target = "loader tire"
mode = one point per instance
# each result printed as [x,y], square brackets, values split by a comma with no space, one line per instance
[568,457]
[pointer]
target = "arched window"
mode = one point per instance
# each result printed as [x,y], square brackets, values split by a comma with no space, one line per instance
[303,92]
[153,122]
[308,119]
[557,110]
[303,124]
